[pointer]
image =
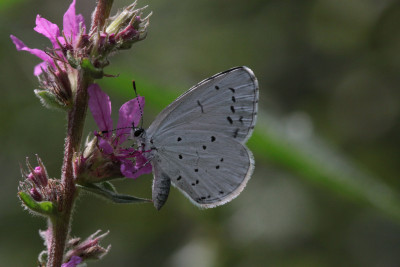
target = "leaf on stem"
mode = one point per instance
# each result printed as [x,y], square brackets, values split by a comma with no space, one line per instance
[107,190]
[43,207]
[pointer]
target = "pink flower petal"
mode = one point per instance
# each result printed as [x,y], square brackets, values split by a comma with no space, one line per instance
[129,170]
[80,21]
[72,22]
[61,40]
[100,106]
[73,262]
[129,113]
[38,68]
[106,146]
[36,52]
[48,29]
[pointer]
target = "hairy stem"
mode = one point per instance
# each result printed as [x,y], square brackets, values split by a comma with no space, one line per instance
[61,224]
[101,13]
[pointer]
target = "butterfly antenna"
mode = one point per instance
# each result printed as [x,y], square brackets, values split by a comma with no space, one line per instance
[140,107]
[113,130]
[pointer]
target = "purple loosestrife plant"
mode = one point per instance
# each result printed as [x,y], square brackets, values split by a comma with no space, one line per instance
[69,68]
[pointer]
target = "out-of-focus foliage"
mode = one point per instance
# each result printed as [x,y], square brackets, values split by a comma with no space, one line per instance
[329,99]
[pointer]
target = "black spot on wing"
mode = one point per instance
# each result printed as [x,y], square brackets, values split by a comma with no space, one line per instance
[201,106]
[235,134]
[229,119]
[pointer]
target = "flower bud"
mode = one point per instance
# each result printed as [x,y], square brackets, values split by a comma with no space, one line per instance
[89,248]
[35,194]
[128,26]
[38,193]
[55,89]
[37,176]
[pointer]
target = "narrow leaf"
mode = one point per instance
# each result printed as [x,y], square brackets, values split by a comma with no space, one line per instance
[106,190]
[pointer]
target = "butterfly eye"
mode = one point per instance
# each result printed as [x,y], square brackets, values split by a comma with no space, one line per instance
[138,132]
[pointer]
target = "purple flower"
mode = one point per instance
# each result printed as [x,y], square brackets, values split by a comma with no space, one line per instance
[90,248]
[111,144]
[74,261]
[72,49]
[73,26]
[36,180]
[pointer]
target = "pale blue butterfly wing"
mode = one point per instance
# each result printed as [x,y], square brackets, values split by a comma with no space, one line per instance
[198,141]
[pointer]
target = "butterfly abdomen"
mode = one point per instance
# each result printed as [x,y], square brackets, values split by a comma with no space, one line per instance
[161,186]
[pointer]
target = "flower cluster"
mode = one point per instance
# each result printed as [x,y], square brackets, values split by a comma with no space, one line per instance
[78,250]
[88,248]
[37,186]
[106,157]
[73,49]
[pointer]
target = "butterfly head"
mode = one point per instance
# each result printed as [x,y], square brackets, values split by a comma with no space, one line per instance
[138,134]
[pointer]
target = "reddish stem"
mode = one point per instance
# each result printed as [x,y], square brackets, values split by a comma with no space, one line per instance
[101,13]
[76,120]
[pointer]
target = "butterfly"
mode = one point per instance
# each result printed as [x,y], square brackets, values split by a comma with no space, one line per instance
[197,143]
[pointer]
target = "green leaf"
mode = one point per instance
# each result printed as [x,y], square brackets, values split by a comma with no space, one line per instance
[49,100]
[87,65]
[109,186]
[107,190]
[43,207]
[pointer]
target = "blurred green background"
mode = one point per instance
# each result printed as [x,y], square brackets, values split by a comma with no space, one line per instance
[325,187]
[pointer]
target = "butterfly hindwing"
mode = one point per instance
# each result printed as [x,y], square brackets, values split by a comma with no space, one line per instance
[210,169]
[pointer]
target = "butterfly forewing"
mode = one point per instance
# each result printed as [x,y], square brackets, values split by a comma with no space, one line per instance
[225,103]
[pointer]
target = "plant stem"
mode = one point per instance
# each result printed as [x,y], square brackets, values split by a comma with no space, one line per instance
[76,119]
[61,224]
[101,13]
